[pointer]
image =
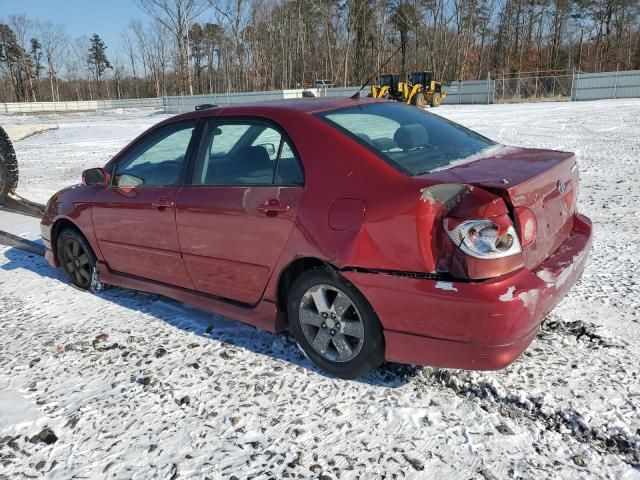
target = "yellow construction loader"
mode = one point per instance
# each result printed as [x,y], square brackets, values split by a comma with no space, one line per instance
[421,89]
[387,87]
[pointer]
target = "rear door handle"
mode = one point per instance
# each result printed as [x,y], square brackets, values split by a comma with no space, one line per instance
[163,204]
[273,207]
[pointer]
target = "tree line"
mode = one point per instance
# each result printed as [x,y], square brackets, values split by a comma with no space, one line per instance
[186,47]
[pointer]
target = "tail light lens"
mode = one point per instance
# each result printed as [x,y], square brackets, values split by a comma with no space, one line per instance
[527,226]
[484,238]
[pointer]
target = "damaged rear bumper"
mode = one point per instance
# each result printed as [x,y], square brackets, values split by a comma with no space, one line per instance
[473,325]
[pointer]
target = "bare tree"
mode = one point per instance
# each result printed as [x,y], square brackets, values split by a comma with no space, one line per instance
[132,54]
[243,45]
[176,16]
[53,40]
[22,27]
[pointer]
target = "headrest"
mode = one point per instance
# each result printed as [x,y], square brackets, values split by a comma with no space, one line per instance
[255,159]
[411,136]
[364,136]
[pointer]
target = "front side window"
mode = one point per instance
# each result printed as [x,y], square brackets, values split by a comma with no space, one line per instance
[410,139]
[246,153]
[157,161]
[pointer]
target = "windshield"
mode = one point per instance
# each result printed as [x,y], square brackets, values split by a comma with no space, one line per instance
[411,140]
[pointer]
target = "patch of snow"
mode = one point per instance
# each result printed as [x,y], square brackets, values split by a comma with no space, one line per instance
[411,415]
[18,132]
[54,159]
[23,226]
[19,415]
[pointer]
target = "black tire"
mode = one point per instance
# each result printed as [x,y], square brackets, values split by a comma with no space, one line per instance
[419,100]
[78,260]
[8,166]
[367,348]
[435,100]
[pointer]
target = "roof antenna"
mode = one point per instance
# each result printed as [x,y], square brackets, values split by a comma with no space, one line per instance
[356,95]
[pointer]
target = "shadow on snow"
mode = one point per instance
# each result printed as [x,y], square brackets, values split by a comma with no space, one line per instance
[208,325]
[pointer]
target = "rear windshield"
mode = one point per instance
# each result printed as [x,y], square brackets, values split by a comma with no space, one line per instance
[408,138]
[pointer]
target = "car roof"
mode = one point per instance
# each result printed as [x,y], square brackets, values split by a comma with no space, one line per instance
[303,105]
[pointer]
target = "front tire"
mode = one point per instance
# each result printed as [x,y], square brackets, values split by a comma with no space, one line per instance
[437,99]
[419,100]
[77,259]
[334,324]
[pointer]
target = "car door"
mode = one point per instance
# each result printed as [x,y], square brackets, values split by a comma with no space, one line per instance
[236,217]
[135,217]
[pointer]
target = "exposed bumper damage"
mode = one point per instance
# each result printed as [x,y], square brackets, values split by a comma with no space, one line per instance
[481,325]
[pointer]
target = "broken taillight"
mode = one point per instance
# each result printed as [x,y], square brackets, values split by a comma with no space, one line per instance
[484,238]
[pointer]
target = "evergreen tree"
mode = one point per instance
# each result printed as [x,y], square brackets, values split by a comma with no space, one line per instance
[14,61]
[98,57]
[198,54]
[36,56]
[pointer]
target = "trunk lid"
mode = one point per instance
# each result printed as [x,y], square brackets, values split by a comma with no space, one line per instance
[544,181]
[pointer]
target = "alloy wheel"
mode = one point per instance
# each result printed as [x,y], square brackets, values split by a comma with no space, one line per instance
[331,323]
[76,262]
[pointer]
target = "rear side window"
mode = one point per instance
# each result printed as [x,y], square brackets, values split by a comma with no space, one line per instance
[157,161]
[246,153]
[408,138]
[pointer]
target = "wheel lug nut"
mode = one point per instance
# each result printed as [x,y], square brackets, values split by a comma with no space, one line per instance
[332,332]
[324,315]
[337,325]
[324,325]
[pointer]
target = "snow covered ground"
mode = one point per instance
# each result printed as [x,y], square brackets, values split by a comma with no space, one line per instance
[132,385]
[54,159]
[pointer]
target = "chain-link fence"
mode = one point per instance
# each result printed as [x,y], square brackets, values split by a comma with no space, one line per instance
[530,87]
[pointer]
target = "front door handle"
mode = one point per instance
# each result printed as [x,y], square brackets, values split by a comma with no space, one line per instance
[163,204]
[273,207]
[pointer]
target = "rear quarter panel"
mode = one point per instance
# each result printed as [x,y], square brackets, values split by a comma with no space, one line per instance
[337,167]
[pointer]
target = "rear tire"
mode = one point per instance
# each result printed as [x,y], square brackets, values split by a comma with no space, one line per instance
[334,324]
[435,101]
[8,166]
[77,260]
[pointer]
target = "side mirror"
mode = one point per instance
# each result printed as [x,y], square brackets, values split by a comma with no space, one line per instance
[95,176]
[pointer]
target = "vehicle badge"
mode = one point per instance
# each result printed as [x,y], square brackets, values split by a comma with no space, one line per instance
[561,187]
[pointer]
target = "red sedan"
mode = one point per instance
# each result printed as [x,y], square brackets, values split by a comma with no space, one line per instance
[371,230]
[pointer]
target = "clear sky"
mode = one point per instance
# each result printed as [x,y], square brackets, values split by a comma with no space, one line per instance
[107,18]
